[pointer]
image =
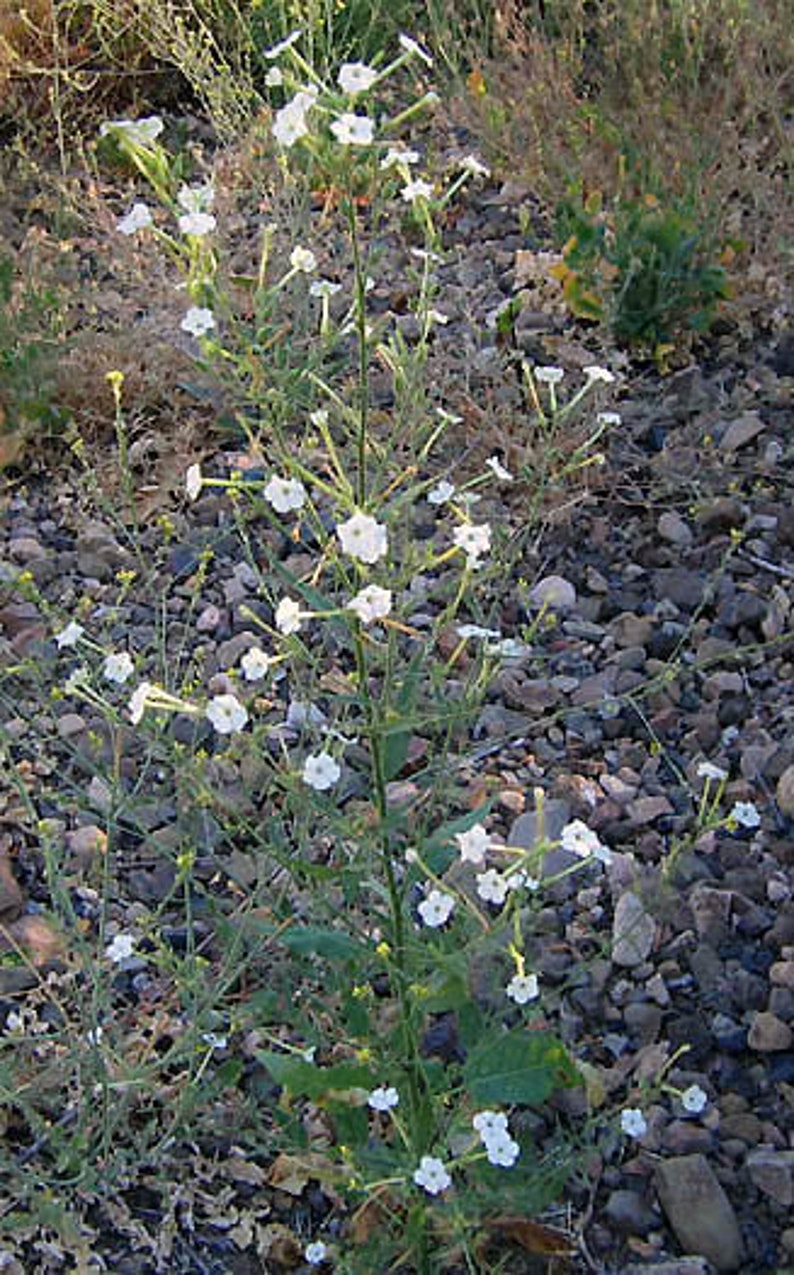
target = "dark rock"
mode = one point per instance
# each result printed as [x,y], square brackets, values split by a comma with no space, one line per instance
[629,1213]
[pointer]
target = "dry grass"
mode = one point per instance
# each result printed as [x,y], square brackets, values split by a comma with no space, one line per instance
[697,94]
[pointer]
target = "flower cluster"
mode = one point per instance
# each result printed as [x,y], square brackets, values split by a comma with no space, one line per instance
[501,1149]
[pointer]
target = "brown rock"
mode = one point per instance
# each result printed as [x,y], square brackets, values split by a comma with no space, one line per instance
[12,899]
[36,935]
[699,1211]
[782,974]
[646,809]
[769,1034]
[633,931]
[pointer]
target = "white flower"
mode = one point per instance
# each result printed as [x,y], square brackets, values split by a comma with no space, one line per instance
[491,887]
[137,702]
[490,1124]
[436,909]
[356,77]
[694,1100]
[580,840]
[324,288]
[214,1040]
[549,375]
[139,132]
[196,199]
[255,664]
[274,78]
[502,1151]
[353,130]
[285,494]
[601,374]
[77,678]
[226,714]
[522,988]
[363,538]
[473,540]
[431,1175]
[471,164]
[370,604]
[707,770]
[633,1122]
[608,418]
[138,218]
[396,155]
[498,470]
[303,259]
[193,482]
[321,771]
[290,123]
[416,189]
[437,316]
[410,46]
[277,49]
[198,321]
[197,223]
[315,1253]
[441,493]
[288,617]
[746,814]
[69,636]
[520,881]
[383,1098]
[476,631]
[120,949]
[473,845]
[319,419]
[118,667]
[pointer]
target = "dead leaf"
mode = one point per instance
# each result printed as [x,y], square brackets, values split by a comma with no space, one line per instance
[292,1173]
[532,1236]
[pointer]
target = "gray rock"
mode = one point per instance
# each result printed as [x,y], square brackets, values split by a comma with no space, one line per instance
[769,1034]
[629,1213]
[671,527]
[633,931]
[679,1266]
[527,831]
[699,1211]
[711,909]
[553,592]
[683,587]
[741,431]
[773,1173]
[784,792]
[781,974]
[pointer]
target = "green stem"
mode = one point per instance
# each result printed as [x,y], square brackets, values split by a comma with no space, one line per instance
[363,358]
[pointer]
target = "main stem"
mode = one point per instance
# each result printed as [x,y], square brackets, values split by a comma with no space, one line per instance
[363,359]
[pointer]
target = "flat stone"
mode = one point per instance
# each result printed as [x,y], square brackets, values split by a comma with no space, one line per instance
[773,1173]
[741,431]
[679,1266]
[769,1034]
[646,809]
[677,584]
[633,931]
[629,1213]
[553,592]
[784,792]
[527,831]
[699,1211]
[711,909]
[672,527]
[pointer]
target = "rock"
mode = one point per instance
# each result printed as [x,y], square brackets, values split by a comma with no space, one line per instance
[646,809]
[12,900]
[741,431]
[711,909]
[742,1124]
[679,1266]
[671,527]
[643,1022]
[36,935]
[633,931]
[769,1034]
[682,1137]
[773,1173]
[782,974]
[629,1213]
[553,592]
[699,1211]
[677,584]
[784,793]
[722,514]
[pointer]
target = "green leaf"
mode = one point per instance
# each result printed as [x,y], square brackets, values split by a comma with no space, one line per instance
[522,1066]
[303,1079]
[335,945]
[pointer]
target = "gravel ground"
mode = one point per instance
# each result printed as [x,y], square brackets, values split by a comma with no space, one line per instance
[672,646]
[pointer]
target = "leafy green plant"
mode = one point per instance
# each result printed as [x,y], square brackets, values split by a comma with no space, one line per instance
[643,267]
